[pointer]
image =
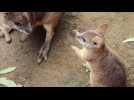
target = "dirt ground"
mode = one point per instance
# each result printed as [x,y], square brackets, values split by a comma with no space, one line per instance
[63,68]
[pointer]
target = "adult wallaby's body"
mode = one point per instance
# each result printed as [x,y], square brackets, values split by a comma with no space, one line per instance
[27,21]
[106,68]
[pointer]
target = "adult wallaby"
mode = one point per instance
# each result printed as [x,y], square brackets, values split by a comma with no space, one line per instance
[27,21]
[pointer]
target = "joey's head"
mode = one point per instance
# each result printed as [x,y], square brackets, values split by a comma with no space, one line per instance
[93,39]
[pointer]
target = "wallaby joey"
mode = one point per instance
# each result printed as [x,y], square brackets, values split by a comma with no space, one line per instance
[106,68]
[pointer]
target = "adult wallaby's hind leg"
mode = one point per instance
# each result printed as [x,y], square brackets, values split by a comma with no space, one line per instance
[43,53]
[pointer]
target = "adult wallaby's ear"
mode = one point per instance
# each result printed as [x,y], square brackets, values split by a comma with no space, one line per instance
[102,29]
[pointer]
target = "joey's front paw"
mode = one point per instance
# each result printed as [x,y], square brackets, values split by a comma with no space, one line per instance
[76,32]
[74,47]
[86,68]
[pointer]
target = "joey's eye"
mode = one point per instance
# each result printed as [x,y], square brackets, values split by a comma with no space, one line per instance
[94,43]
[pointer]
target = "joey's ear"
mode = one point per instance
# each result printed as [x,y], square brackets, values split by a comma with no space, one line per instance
[102,29]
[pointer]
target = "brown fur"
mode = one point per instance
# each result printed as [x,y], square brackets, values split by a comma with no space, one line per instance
[49,20]
[106,67]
